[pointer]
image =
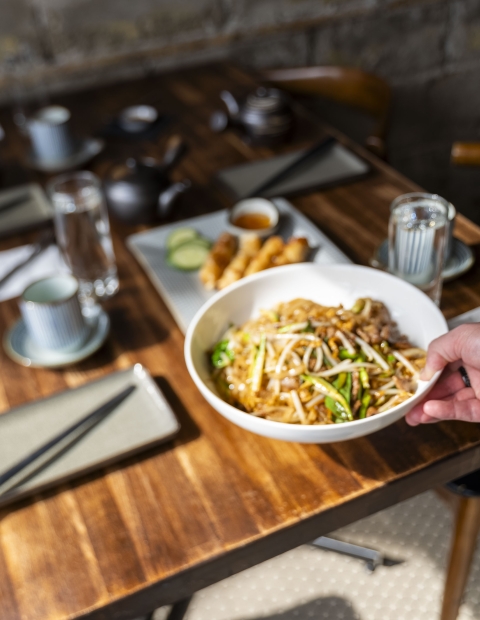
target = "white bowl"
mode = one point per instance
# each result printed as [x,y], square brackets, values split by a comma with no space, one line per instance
[262,206]
[417,317]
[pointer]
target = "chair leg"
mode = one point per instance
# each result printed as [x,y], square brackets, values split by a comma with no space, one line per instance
[179,609]
[467,527]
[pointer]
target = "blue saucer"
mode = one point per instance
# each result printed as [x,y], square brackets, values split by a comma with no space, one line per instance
[21,349]
[460,261]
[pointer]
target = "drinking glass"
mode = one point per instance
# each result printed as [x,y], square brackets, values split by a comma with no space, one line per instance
[417,238]
[83,235]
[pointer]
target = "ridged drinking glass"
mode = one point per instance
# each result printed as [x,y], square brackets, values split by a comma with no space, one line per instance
[417,239]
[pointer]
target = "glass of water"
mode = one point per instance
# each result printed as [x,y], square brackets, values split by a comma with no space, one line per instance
[417,237]
[83,235]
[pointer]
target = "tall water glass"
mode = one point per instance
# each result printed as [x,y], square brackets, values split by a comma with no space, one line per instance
[83,235]
[417,237]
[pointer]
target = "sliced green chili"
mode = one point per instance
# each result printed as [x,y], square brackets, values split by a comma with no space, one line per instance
[328,389]
[364,379]
[222,354]
[365,404]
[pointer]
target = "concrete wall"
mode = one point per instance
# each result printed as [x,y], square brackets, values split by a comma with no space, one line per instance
[429,50]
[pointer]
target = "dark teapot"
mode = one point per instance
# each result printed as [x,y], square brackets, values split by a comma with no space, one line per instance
[265,114]
[140,191]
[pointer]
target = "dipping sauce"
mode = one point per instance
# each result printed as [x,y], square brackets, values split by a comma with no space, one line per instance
[252,221]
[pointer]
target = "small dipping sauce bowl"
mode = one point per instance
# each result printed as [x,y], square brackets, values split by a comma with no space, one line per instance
[253,215]
[137,118]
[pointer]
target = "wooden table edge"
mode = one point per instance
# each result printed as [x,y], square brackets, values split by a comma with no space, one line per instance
[262,548]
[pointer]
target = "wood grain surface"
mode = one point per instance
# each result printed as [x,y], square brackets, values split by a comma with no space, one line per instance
[217,499]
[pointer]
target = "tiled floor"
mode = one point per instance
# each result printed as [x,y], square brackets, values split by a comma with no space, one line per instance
[310,583]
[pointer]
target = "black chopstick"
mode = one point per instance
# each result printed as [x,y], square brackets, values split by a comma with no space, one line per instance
[311,153]
[96,416]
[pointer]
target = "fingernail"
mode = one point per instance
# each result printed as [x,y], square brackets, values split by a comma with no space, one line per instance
[426,374]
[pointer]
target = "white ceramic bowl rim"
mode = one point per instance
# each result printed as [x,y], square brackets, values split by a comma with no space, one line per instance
[423,386]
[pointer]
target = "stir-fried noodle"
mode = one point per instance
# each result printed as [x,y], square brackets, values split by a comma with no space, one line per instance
[303,363]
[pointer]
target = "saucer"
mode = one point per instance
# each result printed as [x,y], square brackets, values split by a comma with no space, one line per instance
[460,261]
[20,348]
[88,148]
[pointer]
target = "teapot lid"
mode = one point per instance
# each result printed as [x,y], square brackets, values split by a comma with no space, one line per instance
[141,173]
[266,100]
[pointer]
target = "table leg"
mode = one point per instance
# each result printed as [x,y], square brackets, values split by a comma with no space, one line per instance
[463,546]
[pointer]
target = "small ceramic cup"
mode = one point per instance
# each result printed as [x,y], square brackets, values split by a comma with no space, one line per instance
[52,313]
[50,133]
[253,215]
[137,118]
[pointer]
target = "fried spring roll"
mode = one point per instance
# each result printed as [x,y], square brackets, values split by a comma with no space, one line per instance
[220,256]
[263,260]
[295,251]
[250,244]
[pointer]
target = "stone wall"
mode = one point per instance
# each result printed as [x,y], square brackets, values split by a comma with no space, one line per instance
[429,50]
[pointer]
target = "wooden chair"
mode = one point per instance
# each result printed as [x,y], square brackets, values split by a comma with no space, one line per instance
[463,495]
[465,153]
[345,85]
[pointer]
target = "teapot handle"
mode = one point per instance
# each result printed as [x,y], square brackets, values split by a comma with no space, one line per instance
[176,149]
[231,103]
[169,195]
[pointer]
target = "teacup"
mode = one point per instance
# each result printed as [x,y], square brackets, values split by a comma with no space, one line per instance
[50,133]
[52,314]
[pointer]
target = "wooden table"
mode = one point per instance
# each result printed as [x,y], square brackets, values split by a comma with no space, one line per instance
[217,499]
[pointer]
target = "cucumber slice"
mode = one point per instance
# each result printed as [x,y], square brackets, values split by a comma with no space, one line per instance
[179,236]
[188,256]
[197,240]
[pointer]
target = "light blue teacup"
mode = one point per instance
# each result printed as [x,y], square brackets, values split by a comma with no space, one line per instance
[50,133]
[52,313]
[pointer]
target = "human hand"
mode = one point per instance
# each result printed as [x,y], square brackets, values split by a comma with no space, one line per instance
[450,399]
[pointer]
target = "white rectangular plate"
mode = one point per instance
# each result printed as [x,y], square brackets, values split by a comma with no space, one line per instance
[182,291]
[141,421]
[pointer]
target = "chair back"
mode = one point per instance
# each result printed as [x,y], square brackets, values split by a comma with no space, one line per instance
[346,85]
[465,154]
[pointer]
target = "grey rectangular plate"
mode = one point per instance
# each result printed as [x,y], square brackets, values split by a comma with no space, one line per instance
[143,420]
[182,291]
[36,209]
[337,165]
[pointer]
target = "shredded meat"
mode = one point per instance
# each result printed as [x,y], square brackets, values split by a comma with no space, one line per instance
[408,385]
[355,385]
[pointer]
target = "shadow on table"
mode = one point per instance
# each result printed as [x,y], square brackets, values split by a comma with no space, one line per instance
[188,429]
[324,607]
[132,334]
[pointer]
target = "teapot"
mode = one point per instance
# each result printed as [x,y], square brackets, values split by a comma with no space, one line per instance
[139,190]
[265,114]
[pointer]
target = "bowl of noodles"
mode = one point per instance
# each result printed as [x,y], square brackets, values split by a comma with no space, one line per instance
[313,353]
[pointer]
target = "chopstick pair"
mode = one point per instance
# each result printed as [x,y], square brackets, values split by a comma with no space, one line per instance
[312,153]
[90,419]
